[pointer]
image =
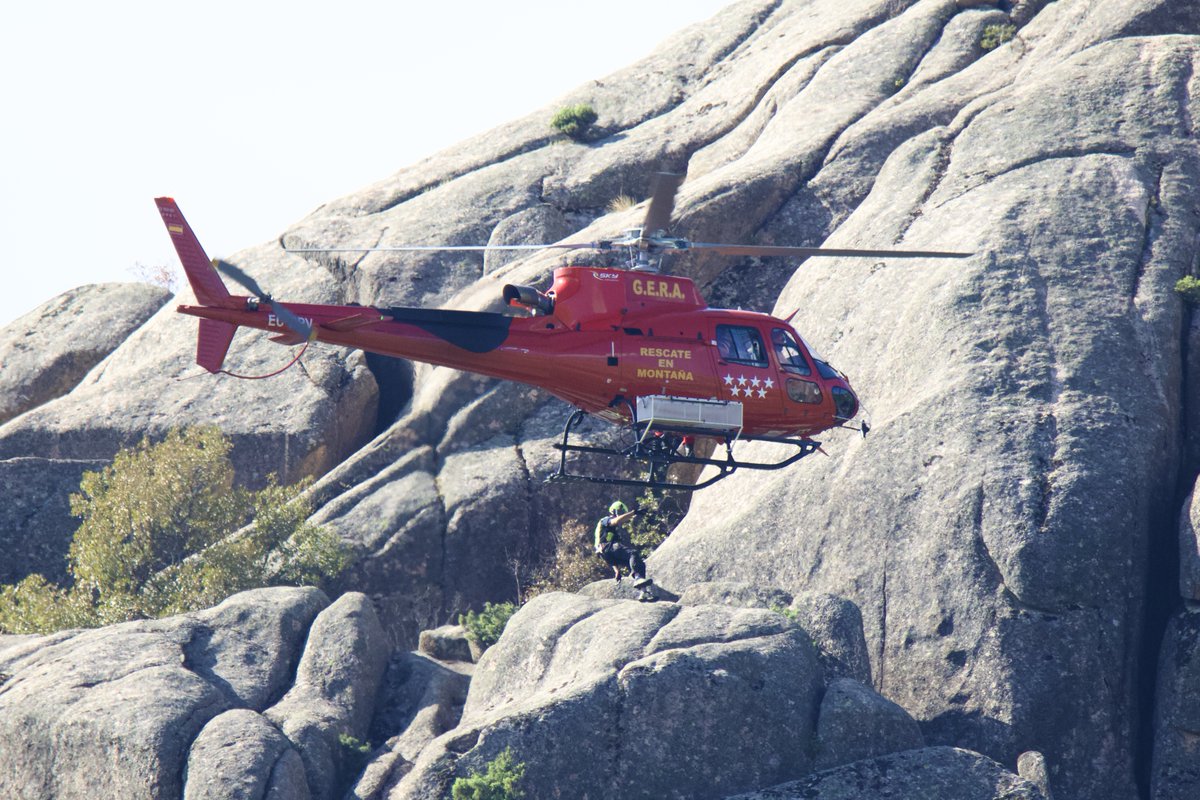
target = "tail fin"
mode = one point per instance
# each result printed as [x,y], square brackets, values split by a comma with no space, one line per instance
[213,343]
[206,283]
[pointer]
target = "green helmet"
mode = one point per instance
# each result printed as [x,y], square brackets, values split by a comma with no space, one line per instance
[617,507]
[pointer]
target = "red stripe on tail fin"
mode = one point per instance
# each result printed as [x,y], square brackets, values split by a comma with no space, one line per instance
[206,283]
[213,343]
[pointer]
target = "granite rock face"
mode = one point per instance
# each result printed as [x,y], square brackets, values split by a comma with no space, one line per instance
[36,525]
[48,351]
[1176,769]
[994,529]
[995,525]
[911,775]
[145,690]
[674,701]
[241,754]
[333,695]
[856,724]
[298,424]
[996,537]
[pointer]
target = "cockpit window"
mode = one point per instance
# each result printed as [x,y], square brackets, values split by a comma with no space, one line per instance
[845,404]
[826,370]
[787,351]
[741,345]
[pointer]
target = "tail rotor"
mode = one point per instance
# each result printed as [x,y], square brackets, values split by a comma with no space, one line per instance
[292,322]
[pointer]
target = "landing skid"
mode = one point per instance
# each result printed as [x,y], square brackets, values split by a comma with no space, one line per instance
[659,447]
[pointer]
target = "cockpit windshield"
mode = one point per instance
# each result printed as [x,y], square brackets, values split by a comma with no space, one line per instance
[825,369]
[788,353]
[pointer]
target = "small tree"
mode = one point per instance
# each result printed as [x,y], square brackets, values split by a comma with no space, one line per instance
[660,514]
[486,626]
[573,565]
[160,275]
[574,121]
[996,35]
[500,782]
[164,531]
[1188,288]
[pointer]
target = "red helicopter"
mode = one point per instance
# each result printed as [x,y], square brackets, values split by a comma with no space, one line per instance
[630,346]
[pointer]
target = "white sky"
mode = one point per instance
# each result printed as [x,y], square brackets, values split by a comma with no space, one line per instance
[251,114]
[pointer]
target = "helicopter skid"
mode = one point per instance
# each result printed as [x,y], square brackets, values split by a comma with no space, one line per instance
[658,448]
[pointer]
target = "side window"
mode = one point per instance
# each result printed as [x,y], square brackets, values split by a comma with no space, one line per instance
[803,391]
[787,351]
[741,344]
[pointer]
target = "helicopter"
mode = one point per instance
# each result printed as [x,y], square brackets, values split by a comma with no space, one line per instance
[630,346]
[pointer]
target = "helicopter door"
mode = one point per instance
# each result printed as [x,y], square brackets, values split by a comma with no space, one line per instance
[802,388]
[747,375]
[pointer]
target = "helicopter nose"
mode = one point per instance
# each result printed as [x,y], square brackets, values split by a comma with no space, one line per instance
[845,402]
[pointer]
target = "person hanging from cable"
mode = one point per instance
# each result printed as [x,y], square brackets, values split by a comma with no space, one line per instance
[617,554]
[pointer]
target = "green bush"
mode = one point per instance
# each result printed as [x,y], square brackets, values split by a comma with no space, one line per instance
[660,514]
[996,35]
[354,744]
[790,613]
[574,121]
[573,565]
[486,626]
[157,539]
[1188,288]
[498,783]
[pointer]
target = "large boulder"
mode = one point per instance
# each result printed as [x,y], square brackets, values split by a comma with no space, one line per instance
[625,699]
[241,754]
[856,723]
[835,623]
[994,526]
[36,526]
[329,707]
[1176,766]
[48,351]
[145,690]
[912,775]
[298,424]
[1189,549]
[422,698]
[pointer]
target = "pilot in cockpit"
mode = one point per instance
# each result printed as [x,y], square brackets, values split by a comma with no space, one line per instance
[788,352]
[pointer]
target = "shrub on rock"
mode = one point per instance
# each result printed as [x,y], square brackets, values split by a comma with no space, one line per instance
[157,538]
[485,627]
[500,782]
[574,121]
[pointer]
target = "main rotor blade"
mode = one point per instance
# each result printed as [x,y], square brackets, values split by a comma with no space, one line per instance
[771,250]
[662,202]
[240,278]
[449,247]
